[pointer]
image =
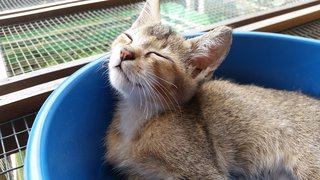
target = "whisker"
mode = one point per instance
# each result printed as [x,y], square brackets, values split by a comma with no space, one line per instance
[146,106]
[149,90]
[163,80]
[175,108]
[140,100]
[170,97]
[132,85]
[159,82]
[173,97]
[149,84]
[165,90]
[146,92]
[158,92]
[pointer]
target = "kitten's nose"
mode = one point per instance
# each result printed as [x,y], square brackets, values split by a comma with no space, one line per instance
[126,54]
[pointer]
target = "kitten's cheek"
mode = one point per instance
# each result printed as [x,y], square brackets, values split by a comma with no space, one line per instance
[114,58]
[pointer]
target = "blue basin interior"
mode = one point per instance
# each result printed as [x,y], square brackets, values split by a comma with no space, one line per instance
[66,141]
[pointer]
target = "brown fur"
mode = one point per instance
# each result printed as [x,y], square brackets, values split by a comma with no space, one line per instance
[223,133]
[172,123]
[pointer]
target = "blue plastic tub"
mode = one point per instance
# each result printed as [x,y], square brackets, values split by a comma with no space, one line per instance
[66,141]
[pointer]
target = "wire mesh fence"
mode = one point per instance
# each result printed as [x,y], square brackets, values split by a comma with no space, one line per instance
[13,139]
[16,4]
[308,30]
[35,45]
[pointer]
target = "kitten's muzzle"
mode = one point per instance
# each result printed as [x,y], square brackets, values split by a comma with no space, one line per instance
[126,55]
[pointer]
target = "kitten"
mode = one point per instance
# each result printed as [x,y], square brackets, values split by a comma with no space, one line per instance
[173,122]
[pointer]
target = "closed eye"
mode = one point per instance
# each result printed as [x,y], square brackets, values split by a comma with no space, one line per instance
[160,55]
[128,36]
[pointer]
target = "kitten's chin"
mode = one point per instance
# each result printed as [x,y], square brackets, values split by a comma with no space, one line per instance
[118,81]
[121,82]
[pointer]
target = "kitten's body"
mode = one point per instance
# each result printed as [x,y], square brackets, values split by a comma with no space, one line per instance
[172,123]
[226,130]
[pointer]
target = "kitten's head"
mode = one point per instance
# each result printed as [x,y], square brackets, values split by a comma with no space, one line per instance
[152,62]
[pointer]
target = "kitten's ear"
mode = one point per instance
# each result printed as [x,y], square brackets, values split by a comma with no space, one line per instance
[209,50]
[149,14]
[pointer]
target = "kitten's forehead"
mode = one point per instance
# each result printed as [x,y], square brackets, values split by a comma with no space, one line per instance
[160,37]
[160,32]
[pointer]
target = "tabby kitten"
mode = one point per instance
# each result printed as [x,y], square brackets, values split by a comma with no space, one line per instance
[173,122]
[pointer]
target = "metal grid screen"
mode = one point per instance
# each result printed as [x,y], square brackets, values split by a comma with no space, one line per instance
[31,46]
[308,30]
[13,138]
[16,4]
